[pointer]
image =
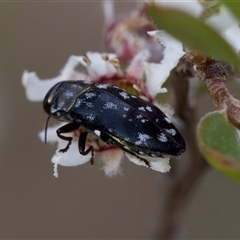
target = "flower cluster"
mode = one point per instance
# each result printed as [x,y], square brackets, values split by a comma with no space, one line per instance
[141,75]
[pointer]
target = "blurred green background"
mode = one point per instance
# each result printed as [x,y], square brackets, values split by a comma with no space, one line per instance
[82,202]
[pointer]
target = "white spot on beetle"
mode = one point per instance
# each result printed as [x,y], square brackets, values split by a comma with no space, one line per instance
[162,137]
[171,131]
[126,108]
[104,86]
[124,95]
[97,133]
[89,104]
[68,94]
[142,139]
[139,116]
[90,117]
[124,115]
[59,106]
[109,105]
[141,109]
[78,102]
[149,108]
[167,120]
[144,120]
[90,95]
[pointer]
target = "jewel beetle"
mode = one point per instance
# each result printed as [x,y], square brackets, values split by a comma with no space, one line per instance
[115,116]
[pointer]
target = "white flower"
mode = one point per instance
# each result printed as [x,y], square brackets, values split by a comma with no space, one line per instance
[100,67]
[96,64]
[148,67]
[126,35]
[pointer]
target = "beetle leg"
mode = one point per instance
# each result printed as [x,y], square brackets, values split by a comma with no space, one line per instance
[82,143]
[70,127]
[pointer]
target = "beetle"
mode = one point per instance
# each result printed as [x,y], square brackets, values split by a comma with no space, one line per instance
[115,116]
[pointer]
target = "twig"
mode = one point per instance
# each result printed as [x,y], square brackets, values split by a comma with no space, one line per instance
[185,178]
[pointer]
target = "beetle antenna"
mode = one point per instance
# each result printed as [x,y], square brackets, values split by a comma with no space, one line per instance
[45,131]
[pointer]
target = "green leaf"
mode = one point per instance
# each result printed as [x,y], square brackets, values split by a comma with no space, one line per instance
[219,143]
[193,32]
[233,6]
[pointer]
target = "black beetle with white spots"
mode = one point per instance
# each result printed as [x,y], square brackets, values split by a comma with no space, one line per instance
[121,119]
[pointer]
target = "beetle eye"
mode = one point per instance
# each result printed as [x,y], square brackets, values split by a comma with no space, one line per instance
[47,102]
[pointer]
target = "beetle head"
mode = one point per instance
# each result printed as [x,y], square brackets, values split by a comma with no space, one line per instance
[51,103]
[61,97]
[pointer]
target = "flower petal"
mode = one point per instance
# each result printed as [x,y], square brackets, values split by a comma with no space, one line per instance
[223,20]
[51,134]
[155,78]
[35,88]
[108,12]
[71,158]
[232,35]
[100,65]
[157,74]
[156,164]
[68,72]
[112,159]
[135,70]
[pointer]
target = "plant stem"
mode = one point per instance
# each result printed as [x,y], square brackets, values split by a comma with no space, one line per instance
[188,172]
